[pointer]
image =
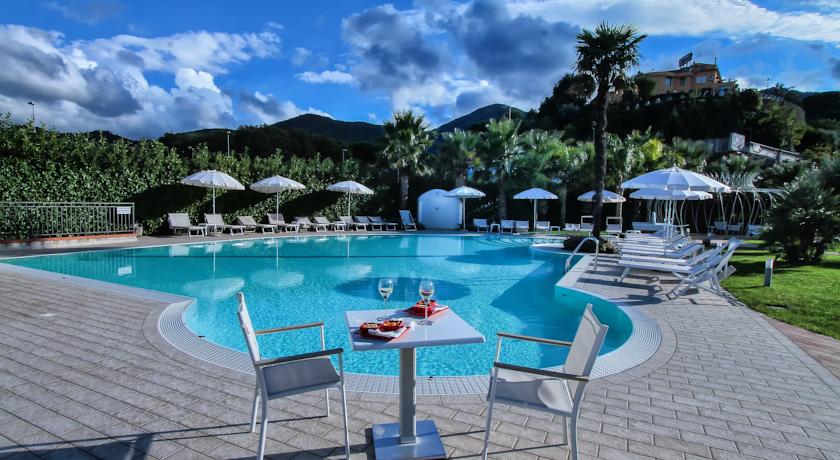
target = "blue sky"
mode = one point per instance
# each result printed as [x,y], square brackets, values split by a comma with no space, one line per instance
[143,68]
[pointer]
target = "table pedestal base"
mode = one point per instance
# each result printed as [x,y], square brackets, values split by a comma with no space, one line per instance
[386,442]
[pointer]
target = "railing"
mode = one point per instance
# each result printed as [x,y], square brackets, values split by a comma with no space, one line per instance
[24,220]
[588,238]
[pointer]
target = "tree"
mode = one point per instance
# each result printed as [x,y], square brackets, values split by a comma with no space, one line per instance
[552,162]
[407,139]
[644,86]
[501,148]
[605,55]
[458,152]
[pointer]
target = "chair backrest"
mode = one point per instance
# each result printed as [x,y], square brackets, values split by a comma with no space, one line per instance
[522,224]
[248,329]
[405,216]
[543,223]
[730,249]
[507,223]
[346,219]
[585,347]
[614,223]
[214,219]
[480,222]
[302,219]
[720,225]
[377,219]
[275,219]
[179,220]
[322,220]
[246,220]
[362,219]
[587,222]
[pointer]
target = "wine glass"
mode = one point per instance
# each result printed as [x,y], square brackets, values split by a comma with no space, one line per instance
[427,290]
[386,287]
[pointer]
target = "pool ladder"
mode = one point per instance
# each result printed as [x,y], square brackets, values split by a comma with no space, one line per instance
[588,238]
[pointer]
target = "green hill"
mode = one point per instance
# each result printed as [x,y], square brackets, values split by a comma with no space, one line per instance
[479,116]
[346,131]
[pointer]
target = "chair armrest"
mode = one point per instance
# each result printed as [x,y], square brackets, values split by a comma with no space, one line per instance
[542,372]
[302,356]
[289,328]
[559,343]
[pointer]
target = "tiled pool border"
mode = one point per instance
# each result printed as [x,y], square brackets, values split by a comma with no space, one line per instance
[640,346]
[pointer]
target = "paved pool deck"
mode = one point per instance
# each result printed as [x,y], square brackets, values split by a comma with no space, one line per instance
[82,374]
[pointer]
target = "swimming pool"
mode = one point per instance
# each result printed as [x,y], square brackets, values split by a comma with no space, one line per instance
[495,283]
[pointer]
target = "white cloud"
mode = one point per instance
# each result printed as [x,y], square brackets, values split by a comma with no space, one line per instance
[372,116]
[327,76]
[300,56]
[266,108]
[101,84]
[190,78]
[696,18]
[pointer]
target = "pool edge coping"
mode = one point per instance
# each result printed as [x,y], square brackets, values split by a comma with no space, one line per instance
[170,325]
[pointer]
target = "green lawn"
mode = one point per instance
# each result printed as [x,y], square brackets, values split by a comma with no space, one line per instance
[807,296]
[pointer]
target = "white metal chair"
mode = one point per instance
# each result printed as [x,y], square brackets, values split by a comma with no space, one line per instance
[481,225]
[615,225]
[521,226]
[280,222]
[542,226]
[407,220]
[587,223]
[181,221]
[720,227]
[291,375]
[549,390]
[250,223]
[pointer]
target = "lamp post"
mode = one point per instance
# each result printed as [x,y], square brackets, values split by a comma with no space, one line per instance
[33,115]
[228,142]
[594,124]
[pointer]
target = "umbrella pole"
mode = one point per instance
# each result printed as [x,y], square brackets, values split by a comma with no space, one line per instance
[348,204]
[214,204]
[535,215]
[464,214]
[276,204]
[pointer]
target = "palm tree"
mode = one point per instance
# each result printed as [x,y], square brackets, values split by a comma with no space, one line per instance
[551,161]
[458,152]
[501,148]
[605,55]
[408,138]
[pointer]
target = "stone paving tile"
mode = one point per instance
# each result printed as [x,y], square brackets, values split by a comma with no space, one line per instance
[96,381]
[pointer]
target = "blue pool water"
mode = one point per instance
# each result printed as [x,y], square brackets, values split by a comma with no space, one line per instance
[495,283]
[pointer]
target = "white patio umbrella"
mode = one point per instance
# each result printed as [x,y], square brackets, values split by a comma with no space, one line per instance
[673,179]
[464,193]
[350,188]
[606,195]
[535,194]
[213,179]
[676,195]
[276,184]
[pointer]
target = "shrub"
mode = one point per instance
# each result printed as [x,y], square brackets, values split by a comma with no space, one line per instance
[805,222]
[572,242]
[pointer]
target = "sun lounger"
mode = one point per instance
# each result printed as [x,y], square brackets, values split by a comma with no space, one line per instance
[366,220]
[215,220]
[571,227]
[407,220]
[481,224]
[508,225]
[250,223]
[380,221]
[352,223]
[280,222]
[322,222]
[320,226]
[587,223]
[179,221]
[521,226]
[682,252]
[716,271]
[304,223]
[542,226]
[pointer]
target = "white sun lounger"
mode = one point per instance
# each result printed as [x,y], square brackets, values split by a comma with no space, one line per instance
[542,226]
[521,226]
[179,221]
[508,225]
[377,220]
[407,220]
[366,220]
[716,271]
[352,223]
[481,225]
[323,222]
[279,221]
[250,223]
[216,221]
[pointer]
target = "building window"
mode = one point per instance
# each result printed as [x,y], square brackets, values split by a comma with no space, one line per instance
[682,81]
[701,79]
[667,81]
